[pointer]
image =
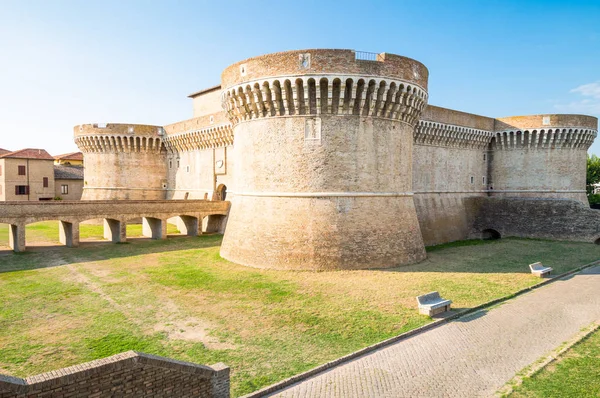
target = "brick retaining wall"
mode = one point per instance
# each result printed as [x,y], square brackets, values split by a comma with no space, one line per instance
[129,374]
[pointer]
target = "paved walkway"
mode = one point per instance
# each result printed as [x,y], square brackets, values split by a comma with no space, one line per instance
[473,356]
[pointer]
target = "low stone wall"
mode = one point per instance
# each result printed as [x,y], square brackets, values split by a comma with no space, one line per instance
[129,374]
[559,219]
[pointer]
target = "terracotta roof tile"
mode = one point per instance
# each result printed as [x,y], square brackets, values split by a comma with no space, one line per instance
[28,153]
[70,156]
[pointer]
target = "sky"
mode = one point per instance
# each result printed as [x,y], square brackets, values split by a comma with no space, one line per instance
[64,63]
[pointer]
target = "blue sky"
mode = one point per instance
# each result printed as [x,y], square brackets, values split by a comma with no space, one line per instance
[71,62]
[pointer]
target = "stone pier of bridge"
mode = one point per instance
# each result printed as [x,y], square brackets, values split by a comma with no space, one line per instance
[189,215]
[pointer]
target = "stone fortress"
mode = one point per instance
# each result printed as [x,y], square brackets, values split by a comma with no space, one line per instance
[333,159]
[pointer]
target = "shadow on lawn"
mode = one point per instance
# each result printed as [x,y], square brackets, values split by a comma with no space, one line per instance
[57,255]
[502,256]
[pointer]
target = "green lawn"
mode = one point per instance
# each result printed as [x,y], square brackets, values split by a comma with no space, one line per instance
[178,298]
[576,374]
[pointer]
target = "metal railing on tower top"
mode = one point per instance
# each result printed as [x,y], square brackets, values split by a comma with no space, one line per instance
[367,56]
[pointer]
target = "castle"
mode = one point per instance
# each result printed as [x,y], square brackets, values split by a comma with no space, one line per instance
[332,159]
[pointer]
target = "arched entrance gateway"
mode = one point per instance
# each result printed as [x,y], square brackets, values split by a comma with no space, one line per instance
[221,192]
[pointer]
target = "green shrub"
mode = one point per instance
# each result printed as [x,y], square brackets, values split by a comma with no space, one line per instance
[594,199]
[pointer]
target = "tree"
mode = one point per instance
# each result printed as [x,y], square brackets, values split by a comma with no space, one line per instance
[593,172]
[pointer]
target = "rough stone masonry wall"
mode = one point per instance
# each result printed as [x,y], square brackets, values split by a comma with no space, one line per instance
[129,374]
[442,183]
[450,166]
[340,202]
[560,219]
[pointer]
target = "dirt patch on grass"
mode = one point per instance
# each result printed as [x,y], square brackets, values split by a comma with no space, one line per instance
[51,328]
[80,278]
[192,329]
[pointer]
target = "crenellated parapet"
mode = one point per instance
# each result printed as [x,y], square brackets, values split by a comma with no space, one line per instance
[446,135]
[325,95]
[555,131]
[205,138]
[544,138]
[541,156]
[112,138]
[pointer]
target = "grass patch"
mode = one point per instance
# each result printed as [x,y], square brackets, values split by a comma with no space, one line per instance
[575,374]
[178,298]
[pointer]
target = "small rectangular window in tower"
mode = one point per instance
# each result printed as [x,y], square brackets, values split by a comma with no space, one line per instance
[178,164]
[170,164]
[64,189]
[484,157]
[187,169]
[22,170]
[472,179]
[45,182]
[483,180]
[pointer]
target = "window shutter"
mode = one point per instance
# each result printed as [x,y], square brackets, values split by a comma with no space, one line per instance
[26,189]
[16,189]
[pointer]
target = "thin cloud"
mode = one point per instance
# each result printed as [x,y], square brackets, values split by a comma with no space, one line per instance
[588,90]
[589,104]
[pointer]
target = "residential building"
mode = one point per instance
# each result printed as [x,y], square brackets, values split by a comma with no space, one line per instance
[27,174]
[68,182]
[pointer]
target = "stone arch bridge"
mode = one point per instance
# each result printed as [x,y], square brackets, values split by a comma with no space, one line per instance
[189,213]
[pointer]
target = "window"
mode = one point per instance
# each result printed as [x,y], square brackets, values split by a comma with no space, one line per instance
[64,189]
[187,169]
[484,157]
[170,164]
[22,189]
[45,180]
[483,180]
[22,170]
[472,179]
[178,164]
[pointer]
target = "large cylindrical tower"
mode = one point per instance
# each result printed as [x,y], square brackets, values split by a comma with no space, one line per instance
[541,156]
[122,161]
[323,160]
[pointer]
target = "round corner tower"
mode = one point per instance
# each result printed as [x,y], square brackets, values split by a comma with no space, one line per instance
[123,161]
[323,160]
[542,156]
